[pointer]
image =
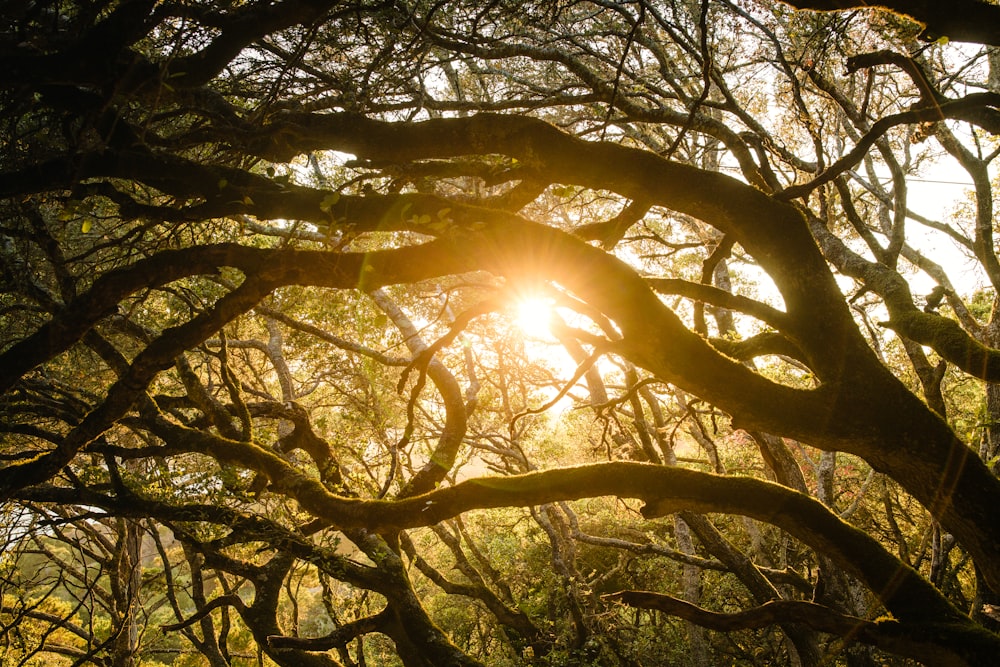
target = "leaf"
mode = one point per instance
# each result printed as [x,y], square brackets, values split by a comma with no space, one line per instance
[329,201]
[942,40]
[86,225]
[248,201]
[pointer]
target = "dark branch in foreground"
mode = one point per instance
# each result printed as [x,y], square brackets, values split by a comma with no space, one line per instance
[909,640]
[960,20]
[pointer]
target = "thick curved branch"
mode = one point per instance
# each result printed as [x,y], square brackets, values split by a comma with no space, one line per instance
[774,233]
[722,299]
[762,344]
[961,20]
[784,577]
[950,340]
[953,109]
[283,267]
[442,459]
[605,90]
[908,640]
[665,490]
[336,639]
[916,72]
[943,335]
[814,615]
[610,232]
[986,116]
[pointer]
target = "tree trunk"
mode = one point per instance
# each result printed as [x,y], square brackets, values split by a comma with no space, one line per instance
[127,573]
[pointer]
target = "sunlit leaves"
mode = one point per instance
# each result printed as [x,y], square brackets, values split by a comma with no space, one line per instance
[329,201]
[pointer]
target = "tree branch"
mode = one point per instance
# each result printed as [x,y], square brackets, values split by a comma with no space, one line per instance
[961,20]
[905,639]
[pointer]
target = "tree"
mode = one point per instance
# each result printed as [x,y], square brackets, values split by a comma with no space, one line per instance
[260,263]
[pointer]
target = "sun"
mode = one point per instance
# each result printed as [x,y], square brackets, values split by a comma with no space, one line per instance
[533,316]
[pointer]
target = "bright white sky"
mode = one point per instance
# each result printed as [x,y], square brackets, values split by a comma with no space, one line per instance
[936,194]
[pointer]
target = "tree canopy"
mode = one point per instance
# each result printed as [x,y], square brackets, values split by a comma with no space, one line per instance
[451,333]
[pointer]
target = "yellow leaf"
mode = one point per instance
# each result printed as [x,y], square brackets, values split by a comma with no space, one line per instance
[87,225]
[329,201]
